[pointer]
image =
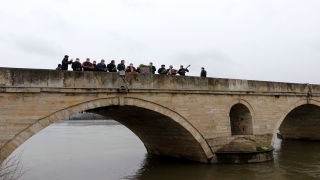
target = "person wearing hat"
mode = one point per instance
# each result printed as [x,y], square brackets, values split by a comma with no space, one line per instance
[101,66]
[153,68]
[65,63]
[131,68]
[203,72]
[76,66]
[162,70]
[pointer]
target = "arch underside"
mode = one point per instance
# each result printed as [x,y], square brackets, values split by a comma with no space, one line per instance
[160,134]
[163,131]
[303,122]
[241,120]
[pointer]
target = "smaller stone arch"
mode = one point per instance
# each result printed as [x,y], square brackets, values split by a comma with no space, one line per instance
[240,120]
[244,102]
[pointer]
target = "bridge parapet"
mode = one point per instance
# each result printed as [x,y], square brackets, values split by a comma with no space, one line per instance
[15,77]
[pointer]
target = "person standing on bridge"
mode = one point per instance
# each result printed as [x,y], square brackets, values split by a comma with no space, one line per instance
[112,67]
[76,66]
[59,67]
[131,68]
[65,62]
[121,66]
[87,65]
[94,64]
[153,68]
[182,71]
[101,66]
[203,72]
[162,70]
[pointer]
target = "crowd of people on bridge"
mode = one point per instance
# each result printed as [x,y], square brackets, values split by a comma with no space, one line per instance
[111,67]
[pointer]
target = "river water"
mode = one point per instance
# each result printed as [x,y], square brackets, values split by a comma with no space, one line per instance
[107,151]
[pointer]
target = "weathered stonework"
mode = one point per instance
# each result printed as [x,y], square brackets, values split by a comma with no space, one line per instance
[185,117]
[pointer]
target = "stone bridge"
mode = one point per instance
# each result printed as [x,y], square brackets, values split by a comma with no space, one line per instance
[184,117]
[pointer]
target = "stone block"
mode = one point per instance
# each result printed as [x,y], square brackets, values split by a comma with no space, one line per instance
[6,77]
[55,78]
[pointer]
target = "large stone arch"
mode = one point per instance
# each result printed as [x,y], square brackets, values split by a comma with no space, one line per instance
[290,109]
[205,154]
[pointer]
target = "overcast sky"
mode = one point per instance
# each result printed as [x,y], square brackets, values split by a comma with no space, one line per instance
[272,40]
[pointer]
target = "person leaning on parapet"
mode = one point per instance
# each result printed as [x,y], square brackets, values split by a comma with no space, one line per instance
[59,67]
[87,65]
[162,70]
[121,66]
[203,72]
[112,67]
[76,66]
[101,66]
[182,71]
[65,63]
[131,68]
[153,68]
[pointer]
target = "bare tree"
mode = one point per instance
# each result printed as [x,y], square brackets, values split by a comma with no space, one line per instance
[11,168]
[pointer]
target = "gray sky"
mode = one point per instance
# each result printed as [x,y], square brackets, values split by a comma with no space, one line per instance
[272,40]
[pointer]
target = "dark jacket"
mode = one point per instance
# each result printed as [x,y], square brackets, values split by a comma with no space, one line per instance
[76,66]
[160,70]
[121,67]
[203,73]
[129,69]
[65,64]
[111,67]
[182,71]
[153,70]
[58,68]
[86,65]
[100,67]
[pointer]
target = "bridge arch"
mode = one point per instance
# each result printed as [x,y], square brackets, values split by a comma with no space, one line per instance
[299,110]
[240,120]
[185,139]
[245,103]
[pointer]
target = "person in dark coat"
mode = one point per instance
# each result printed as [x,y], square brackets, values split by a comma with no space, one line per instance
[87,65]
[131,68]
[121,66]
[59,67]
[76,66]
[101,66]
[94,63]
[203,72]
[182,71]
[161,70]
[111,67]
[153,68]
[65,63]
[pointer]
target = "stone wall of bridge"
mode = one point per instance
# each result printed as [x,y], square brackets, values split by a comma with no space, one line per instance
[197,110]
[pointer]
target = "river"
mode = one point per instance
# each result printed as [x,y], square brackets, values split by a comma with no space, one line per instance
[108,151]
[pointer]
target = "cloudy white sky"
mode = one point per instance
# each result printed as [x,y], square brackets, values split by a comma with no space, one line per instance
[273,40]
